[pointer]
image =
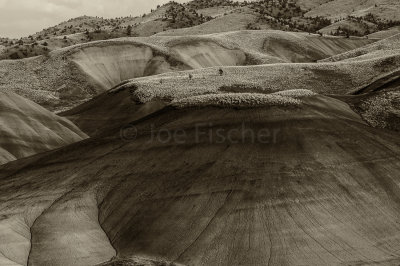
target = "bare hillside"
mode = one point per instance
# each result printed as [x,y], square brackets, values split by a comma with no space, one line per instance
[226,203]
[28,129]
[212,132]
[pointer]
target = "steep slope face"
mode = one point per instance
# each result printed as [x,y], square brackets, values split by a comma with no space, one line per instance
[271,46]
[208,54]
[310,48]
[28,128]
[110,65]
[319,189]
[67,77]
[109,111]
[81,240]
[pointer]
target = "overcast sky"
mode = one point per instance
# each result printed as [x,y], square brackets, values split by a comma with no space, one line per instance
[19,18]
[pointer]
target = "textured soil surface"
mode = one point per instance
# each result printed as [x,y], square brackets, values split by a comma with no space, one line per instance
[246,151]
[27,129]
[310,193]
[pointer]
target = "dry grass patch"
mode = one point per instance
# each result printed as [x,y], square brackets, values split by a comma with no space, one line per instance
[236,100]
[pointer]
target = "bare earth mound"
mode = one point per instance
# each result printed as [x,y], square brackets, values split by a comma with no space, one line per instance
[27,129]
[311,192]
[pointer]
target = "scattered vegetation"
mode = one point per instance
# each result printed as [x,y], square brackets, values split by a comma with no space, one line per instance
[382,110]
[362,26]
[284,15]
[181,16]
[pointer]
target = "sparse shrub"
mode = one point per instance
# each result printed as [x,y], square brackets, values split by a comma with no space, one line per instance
[129,30]
[220,71]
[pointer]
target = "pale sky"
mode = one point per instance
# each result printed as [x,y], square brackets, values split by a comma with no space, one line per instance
[20,18]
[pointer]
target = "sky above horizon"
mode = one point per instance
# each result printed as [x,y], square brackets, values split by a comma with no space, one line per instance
[20,18]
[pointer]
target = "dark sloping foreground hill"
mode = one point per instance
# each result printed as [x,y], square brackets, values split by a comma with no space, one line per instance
[321,189]
[27,129]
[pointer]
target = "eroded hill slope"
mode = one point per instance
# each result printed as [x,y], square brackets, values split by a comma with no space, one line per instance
[211,202]
[28,129]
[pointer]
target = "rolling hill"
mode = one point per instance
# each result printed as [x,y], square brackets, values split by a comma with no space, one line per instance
[198,145]
[362,77]
[235,20]
[28,129]
[72,75]
[385,9]
[385,33]
[207,201]
[357,18]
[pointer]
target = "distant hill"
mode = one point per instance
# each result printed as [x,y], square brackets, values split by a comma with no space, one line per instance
[234,20]
[385,33]
[336,17]
[335,9]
